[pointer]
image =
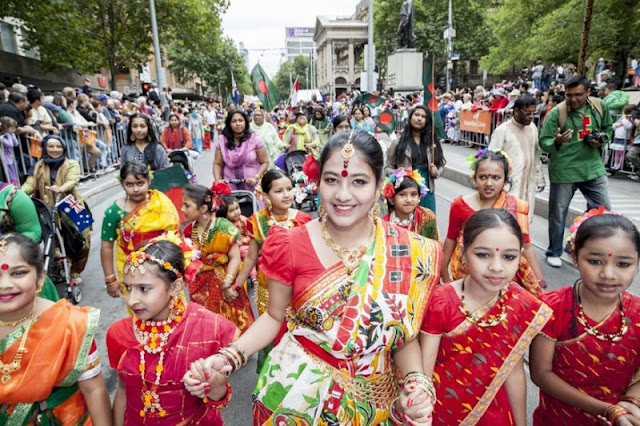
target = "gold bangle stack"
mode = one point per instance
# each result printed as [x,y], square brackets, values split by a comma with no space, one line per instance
[227,283]
[234,356]
[614,412]
[422,381]
[631,399]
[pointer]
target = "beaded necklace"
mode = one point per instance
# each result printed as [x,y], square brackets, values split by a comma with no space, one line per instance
[286,222]
[593,331]
[200,238]
[489,322]
[405,223]
[154,335]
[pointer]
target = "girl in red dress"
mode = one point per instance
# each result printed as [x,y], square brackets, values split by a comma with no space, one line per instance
[153,349]
[477,329]
[586,360]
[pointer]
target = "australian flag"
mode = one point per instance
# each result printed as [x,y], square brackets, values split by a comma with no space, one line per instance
[75,211]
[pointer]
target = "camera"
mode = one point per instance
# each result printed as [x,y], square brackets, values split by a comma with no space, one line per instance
[596,139]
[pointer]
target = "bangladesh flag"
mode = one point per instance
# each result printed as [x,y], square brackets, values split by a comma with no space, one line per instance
[264,89]
[386,121]
[171,182]
[431,100]
[370,99]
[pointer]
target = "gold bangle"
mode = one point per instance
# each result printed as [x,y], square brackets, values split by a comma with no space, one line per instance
[631,399]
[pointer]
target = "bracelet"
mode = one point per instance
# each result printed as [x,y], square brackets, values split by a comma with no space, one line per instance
[110,279]
[223,402]
[422,381]
[109,285]
[393,413]
[631,399]
[614,412]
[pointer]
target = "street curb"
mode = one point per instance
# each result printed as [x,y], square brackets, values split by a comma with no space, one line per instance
[542,205]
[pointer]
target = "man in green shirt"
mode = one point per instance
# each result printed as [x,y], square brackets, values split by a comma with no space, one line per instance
[569,136]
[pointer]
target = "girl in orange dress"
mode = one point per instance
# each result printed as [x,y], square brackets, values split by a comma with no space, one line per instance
[491,172]
[586,361]
[477,329]
[216,238]
[49,364]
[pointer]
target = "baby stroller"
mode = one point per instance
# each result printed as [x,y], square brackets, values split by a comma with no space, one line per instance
[246,199]
[305,192]
[183,159]
[56,262]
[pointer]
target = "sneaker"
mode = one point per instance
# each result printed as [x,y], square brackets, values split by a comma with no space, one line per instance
[633,177]
[554,262]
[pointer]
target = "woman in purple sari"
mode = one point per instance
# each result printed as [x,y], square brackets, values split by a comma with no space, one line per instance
[240,154]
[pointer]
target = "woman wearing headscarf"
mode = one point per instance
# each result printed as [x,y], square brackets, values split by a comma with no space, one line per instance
[196,128]
[54,177]
[322,124]
[267,134]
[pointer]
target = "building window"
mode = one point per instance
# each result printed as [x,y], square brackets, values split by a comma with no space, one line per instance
[8,41]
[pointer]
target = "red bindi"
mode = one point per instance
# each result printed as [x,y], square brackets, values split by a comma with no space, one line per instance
[4,266]
[609,254]
[345,173]
[497,249]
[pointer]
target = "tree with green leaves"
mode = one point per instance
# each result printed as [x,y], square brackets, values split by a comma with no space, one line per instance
[286,75]
[469,20]
[550,30]
[213,62]
[116,34]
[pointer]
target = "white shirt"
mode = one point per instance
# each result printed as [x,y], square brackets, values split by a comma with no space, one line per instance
[210,116]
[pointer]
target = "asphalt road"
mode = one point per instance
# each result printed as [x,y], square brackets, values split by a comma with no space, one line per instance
[239,411]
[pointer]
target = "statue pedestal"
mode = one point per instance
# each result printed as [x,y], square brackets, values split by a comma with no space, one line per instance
[404,70]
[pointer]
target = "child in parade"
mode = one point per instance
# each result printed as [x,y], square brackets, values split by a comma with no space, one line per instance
[277,189]
[586,359]
[403,190]
[491,173]
[153,349]
[132,220]
[49,363]
[477,329]
[216,238]
[230,210]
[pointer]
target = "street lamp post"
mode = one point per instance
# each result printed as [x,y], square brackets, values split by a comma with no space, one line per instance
[370,52]
[156,44]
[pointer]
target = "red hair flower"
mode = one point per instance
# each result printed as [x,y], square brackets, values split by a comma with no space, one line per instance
[388,191]
[218,189]
[311,169]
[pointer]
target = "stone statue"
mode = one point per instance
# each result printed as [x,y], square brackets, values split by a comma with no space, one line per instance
[406,37]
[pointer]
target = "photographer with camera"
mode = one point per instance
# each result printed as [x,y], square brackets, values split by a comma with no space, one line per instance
[574,133]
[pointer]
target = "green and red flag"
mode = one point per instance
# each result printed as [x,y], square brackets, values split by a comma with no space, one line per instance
[431,101]
[171,181]
[370,99]
[264,89]
[386,121]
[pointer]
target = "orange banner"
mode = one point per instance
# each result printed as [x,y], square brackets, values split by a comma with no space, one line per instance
[477,122]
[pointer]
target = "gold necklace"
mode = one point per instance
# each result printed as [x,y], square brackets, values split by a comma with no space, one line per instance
[6,370]
[196,238]
[593,331]
[20,320]
[283,221]
[489,322]
[350,257]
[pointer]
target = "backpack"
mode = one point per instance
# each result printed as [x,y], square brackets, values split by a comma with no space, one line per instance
[563,110]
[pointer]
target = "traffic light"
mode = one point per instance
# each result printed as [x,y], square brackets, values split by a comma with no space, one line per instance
[145,88]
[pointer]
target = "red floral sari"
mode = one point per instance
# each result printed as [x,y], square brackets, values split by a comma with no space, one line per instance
[474,362]
[602,369]
[200,334]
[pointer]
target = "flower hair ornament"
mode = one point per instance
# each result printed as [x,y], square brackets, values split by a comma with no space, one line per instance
[393,181]
[573,229]
[473,159]
[136,259]
[218,189]
[311,168]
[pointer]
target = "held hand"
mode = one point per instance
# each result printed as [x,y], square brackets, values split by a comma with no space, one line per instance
[202,368]
[193,386]
[433,169]
[218,384]
[416,405]
[113,289]
[250,181]
[634,410]
[563,137]
[230,294]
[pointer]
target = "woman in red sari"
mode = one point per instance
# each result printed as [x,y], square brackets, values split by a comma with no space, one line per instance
[491,172]
[586,360]
[477,329]
[152,350]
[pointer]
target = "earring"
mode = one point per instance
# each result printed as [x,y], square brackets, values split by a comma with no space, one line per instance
[375,210]
[133,138]
[269,204]
[322,213]
[39,289]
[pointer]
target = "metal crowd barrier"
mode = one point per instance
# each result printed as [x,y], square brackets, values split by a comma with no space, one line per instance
[105,143]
